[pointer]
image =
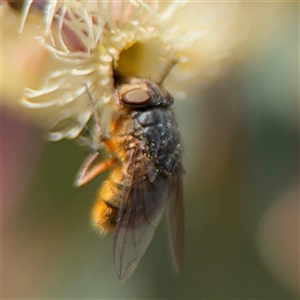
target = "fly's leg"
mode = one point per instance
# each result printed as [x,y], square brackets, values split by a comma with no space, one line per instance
[87,172]
[96,117]
[117,101]
[167,71]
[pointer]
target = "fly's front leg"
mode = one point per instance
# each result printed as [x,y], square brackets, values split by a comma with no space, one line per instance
[96,116]
[89,169]
[87,172]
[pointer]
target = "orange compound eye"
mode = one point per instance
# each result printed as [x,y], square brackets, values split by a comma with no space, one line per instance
[136,98]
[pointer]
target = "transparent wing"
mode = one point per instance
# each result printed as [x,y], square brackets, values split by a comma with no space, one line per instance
[175,217]
[140,213]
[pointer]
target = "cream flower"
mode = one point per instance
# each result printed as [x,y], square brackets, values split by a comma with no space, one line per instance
[137,38]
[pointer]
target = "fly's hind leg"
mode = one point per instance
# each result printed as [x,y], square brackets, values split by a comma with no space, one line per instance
[87,172]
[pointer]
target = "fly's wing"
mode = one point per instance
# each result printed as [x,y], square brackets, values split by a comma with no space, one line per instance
[175,216]
[141,210]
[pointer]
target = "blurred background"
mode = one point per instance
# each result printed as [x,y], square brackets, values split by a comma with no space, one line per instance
[241,140]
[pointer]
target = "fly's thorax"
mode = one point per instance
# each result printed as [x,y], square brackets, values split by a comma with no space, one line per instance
[158,129]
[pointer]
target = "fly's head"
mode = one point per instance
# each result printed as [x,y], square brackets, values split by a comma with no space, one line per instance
[138,93]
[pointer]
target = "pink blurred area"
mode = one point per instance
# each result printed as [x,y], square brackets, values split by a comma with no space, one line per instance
[21,145]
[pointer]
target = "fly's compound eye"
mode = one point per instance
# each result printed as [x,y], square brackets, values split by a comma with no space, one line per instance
[136,98]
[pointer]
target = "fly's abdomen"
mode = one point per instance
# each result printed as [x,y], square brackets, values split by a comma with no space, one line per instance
[105,211]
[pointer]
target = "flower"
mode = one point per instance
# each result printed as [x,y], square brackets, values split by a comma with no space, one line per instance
[88,39]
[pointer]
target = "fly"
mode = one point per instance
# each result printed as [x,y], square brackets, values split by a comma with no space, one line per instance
[146,174]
